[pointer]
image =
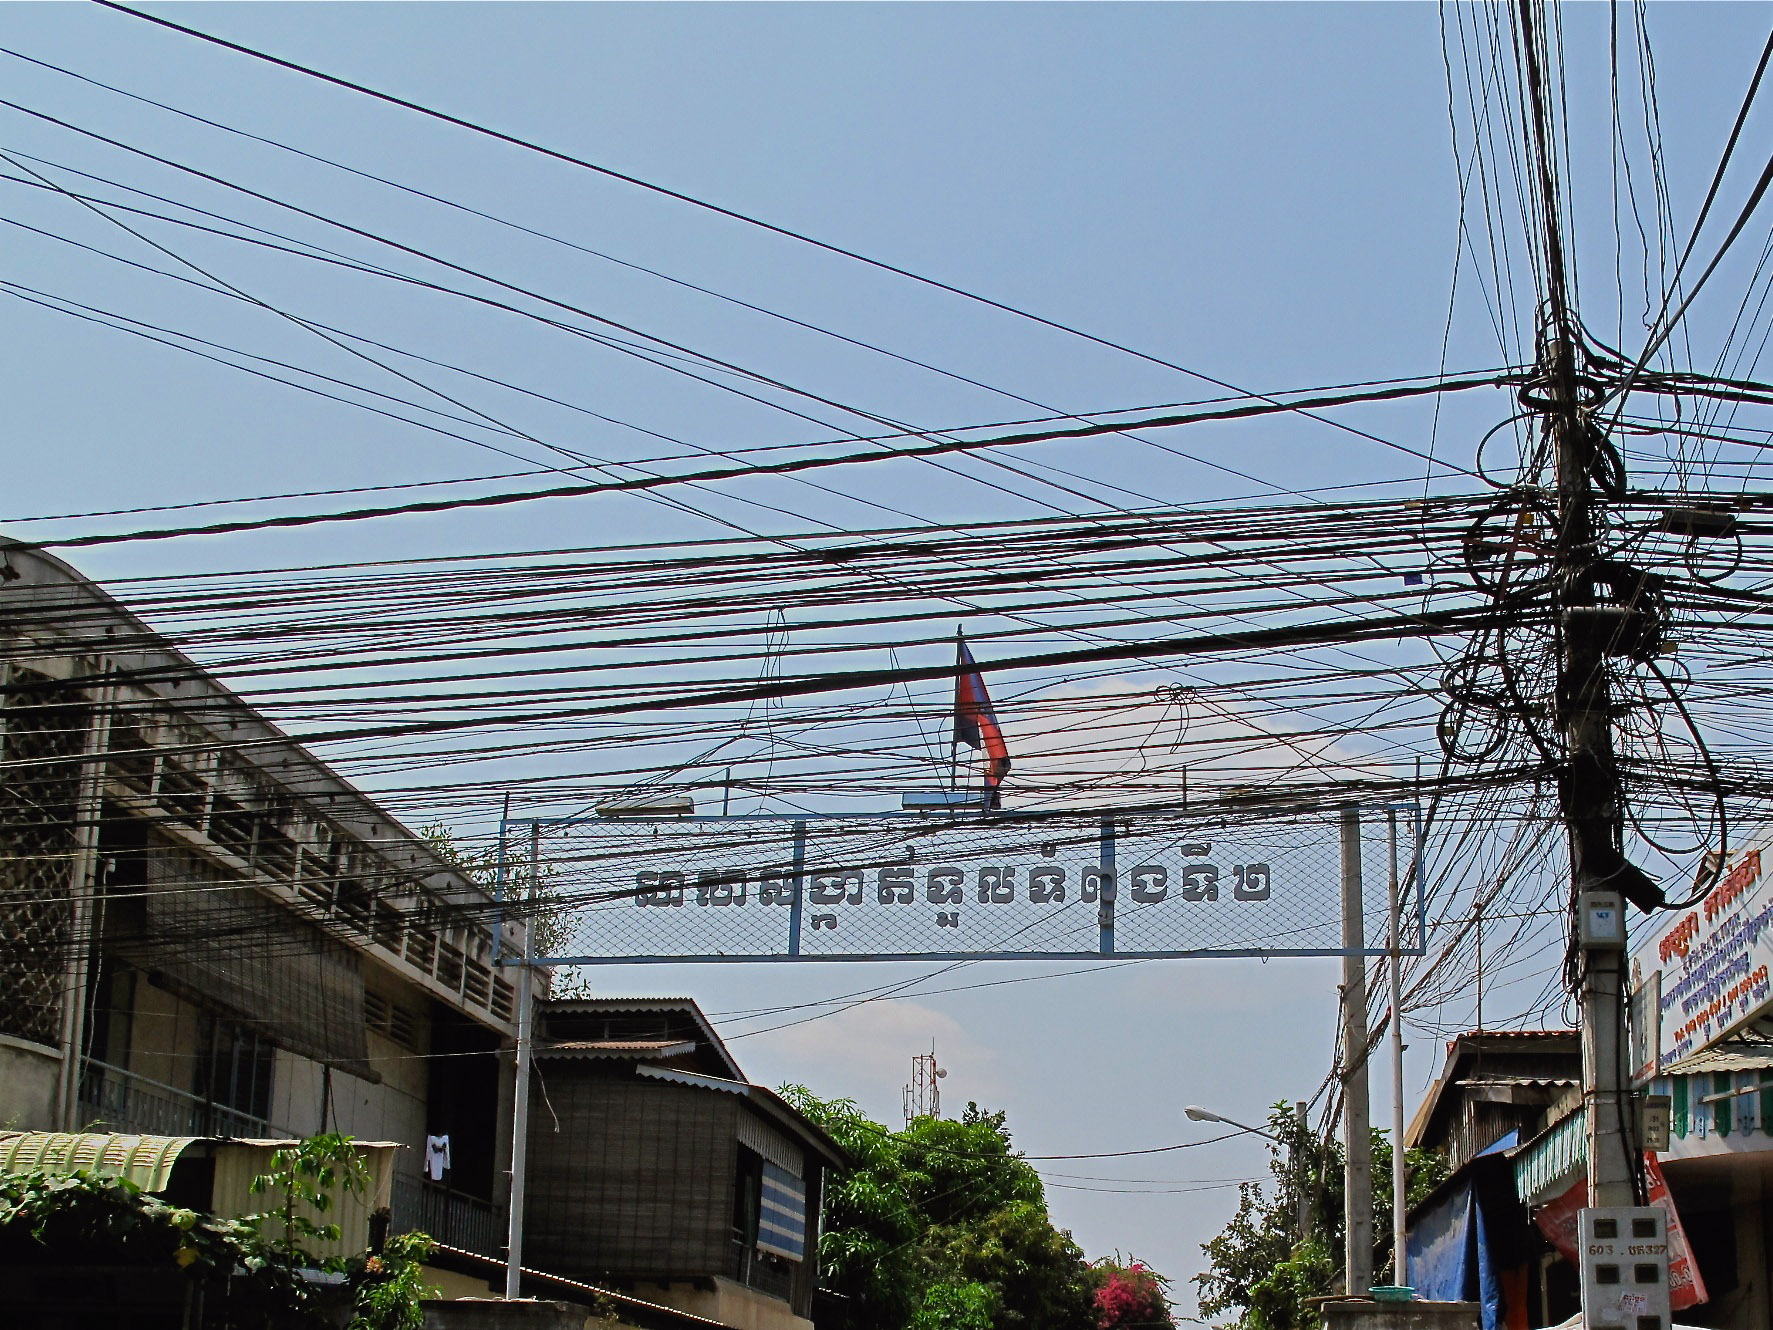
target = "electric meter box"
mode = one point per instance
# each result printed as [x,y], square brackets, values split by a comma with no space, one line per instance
[1624,1268]
[1600,920]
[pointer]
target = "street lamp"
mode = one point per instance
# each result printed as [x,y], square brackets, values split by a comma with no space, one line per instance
[1198,1114]
[1195,1113]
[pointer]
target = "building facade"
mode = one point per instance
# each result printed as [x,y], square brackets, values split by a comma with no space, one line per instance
[655,1167]
[210,941]
[206,932]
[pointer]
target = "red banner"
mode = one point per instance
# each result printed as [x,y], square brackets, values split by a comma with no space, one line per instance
[1686,1286]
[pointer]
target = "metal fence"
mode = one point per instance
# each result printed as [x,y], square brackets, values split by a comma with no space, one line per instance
[760,1270]
[448,1216]
[1009,886]
[124,1101]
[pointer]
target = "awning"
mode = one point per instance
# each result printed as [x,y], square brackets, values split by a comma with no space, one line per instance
[625,1049]
[1545,1165]
[145,1160]
[690,1078]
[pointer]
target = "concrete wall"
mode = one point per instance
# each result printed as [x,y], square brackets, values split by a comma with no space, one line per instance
[453,1284]
[1748,1306]
[28,1074]
[163,1037]
[497,1314]
[391,1110]
[732,1304]
[1362,1314]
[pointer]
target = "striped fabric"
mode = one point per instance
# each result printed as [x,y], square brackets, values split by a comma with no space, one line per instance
[781,1222]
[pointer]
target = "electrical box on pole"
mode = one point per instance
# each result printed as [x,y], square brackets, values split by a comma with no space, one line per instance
[1624,1267]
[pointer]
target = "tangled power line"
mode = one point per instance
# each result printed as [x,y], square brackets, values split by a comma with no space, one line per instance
[1383,636]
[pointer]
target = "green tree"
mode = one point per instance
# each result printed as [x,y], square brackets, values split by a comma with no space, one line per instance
[1260,1272]
[956,1307]
[942,1226]
[1037,1272]
[303,1182]
[871,1222]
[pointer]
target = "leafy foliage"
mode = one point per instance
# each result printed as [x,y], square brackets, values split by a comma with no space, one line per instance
[306,1176]
[88,1218]
[1037,1271]
[390,1285]
[942,1226]
[969,1306]
[93,1218]
[482,868]
[1260,1270]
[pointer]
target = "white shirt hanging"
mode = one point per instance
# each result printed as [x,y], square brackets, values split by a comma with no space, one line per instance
[436,1157]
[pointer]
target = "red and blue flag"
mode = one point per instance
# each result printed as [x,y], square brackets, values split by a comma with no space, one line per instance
[975,721]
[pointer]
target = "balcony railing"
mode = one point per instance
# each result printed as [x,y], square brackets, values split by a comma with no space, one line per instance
[761,1270]
[124,1101]
[448,1216]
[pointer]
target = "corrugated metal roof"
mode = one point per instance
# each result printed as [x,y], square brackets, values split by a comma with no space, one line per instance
[690,1078]
[618,1048]
[1478,1043]
[1723,1059]
[145,1160]
[666,1004]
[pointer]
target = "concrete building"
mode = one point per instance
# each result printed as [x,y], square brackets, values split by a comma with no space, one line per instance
[206,932]
[207,936]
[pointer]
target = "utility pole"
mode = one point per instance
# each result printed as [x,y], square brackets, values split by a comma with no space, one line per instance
[1400,1182]
[1357,1132]
[1588,629]
[526,1038]
[1589,794]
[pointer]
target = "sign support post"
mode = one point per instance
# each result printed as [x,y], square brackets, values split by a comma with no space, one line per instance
[1400,1264]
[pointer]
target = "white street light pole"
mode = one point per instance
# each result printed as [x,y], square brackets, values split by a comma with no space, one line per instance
[1195,1113]
[1198,1114]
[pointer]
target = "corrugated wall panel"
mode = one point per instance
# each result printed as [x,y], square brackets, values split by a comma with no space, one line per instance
[637,1181]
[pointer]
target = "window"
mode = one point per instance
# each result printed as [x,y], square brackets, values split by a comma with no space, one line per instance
[234,1072]
[390,1019]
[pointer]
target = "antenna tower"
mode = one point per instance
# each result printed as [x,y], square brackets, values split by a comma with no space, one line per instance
[923,1097]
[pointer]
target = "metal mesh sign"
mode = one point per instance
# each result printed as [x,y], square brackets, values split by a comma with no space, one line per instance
[894,887]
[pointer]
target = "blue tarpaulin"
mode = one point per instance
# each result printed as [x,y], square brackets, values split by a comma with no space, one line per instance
[1508,1142]
[1450,1250]
[1489,1287]
[1441,1246]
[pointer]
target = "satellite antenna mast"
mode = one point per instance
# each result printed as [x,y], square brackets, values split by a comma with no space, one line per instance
[923,1097]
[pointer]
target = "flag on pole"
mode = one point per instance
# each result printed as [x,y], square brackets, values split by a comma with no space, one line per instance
[975,722]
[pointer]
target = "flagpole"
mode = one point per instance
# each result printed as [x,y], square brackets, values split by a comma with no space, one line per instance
[954,728]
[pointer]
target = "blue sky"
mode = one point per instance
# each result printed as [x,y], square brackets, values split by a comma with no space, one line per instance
[1265,193]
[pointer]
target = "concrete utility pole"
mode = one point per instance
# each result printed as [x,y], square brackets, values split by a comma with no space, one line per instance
[526,1038]
[1400,1188]
[1589,794]
[1589,630]
[1357,1133]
